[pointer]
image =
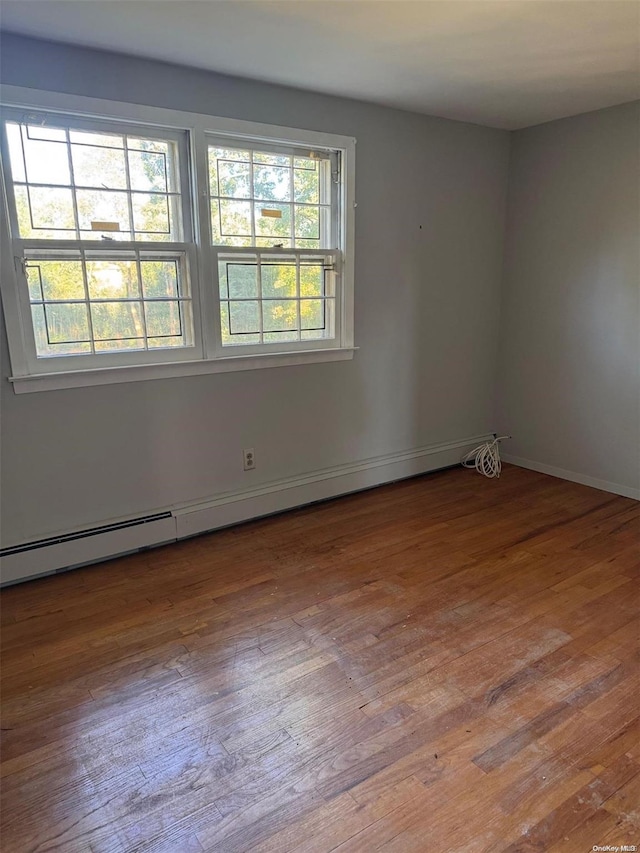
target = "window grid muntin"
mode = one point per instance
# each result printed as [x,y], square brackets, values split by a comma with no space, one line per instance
[183,299]
[254,236]
[328,296]
[171,197]
[327,206]
[323,299]
[177,202]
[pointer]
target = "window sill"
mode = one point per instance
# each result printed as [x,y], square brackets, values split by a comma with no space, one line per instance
[138,373]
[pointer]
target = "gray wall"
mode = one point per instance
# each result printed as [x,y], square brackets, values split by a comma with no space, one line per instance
[427,312]
[570,326]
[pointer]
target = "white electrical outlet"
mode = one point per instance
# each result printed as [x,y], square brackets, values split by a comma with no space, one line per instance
[249,458]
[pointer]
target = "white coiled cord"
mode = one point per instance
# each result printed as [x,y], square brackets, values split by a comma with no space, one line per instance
[485,458]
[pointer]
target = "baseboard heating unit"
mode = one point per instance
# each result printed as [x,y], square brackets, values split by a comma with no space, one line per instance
[85,546]
[80,547]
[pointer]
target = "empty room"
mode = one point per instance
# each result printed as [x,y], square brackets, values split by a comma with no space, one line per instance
[320,426]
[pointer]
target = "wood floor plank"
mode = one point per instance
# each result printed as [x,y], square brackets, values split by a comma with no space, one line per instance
[446,663]
[340,819]
[576,809]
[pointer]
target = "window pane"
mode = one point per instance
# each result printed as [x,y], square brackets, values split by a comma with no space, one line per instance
[280,315]
[271,159]
[311,280]
[151,213]
[307,223]
[272,242]
[43,347]
[305,181]
[24,221]
[242,280]
[223,283]
[159,278]
[244,317]
[114,321]
[235,218]
[163,319]
[280,337]
[312,314]
[44,208]
[216,232]
[217,237]
[159,146]
[34,282]
[107,140]
[112,280]
[98,207]
[224,322]
[148,170]
[67,322]
[55,280]
[234,179]
[98,167]
[235,340]
[278,280]
[44,133]
[230,154]
[119,345]
[16,158]
[274,221]
[217,154]
[165,341]
[46,162]
[272,183]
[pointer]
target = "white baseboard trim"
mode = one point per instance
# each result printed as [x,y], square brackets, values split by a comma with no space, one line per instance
[280,495]
[231,508]
[583,479]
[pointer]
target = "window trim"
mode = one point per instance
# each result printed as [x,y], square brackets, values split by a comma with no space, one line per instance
[200,126]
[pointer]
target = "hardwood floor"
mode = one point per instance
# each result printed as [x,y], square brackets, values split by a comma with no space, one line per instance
[443,664]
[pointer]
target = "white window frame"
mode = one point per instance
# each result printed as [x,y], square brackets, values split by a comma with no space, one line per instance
[207,355]
[333,250]
[184,251]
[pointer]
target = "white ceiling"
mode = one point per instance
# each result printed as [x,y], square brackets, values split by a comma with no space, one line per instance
[503,63]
